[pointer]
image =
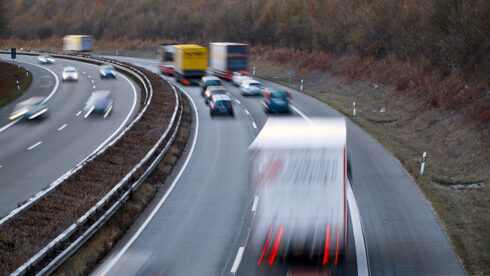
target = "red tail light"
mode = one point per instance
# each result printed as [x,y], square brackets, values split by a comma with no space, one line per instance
[265,246]
[327,243]
[231,105]
[276,246]
[289,95]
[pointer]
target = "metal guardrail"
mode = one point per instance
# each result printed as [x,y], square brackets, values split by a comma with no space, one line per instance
[70,250]
[61,257]
[42,194]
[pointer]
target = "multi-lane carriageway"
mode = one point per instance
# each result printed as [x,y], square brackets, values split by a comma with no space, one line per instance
[199,224]
[34,154]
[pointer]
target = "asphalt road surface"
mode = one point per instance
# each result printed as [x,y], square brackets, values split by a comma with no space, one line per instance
[200,224]
[36,153]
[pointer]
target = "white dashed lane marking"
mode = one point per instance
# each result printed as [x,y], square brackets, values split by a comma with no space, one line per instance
[78,113]
[35,145]
[62,127]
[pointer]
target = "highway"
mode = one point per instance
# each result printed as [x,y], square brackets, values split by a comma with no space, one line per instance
[199,224]
[36,153]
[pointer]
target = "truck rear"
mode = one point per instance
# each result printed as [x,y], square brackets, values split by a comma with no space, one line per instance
[167,58]
[190,62]
[78,44]
[226,58]
[298,170]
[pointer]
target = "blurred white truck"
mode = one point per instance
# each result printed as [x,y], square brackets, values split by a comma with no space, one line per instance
[225,58]
[298,171]
[78,44]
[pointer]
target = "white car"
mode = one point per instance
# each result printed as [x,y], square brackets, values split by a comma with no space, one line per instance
[70,73]
[239,77]
[46,59]
[251,88]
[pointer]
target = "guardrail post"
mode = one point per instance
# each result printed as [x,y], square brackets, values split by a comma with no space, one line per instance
[422,166]
[354,109]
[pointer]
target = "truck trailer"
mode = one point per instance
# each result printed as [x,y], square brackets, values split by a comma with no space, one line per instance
[190,63]
[78,44]
[226,58]
[298,172]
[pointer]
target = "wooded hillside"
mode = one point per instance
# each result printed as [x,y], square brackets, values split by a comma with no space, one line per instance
[452,34]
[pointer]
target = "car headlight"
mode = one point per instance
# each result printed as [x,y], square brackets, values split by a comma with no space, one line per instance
[64,75]
[113,72]
[102,72]
[75,76]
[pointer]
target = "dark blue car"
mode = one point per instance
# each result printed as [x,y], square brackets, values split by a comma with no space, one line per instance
[107,71]
[277,100]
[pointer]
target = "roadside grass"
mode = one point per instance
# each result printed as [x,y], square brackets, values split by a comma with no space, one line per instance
[96,248]
[456,141]
[9,74]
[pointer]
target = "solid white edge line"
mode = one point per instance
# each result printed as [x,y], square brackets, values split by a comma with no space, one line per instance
[301,114]
[116,258]
[35,145]
[62,127]
[57,83]
[361,253]
[238,260]
[254,205]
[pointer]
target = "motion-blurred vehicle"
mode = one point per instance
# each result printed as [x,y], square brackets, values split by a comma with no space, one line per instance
[209,81]
[190,63]
[239,77]
[221,104]
[78,44]
[46,59]
[226,58]
[276,100]
[298,171]
[167,52]
[107,71]
[69,74]
[29,109]
[100,102]
[251,88]
[212,91]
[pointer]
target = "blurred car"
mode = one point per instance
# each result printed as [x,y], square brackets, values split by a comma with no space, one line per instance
[70,73]
[212,91]
[99,102]
[46,59]
[221,104]
[209,81]
[251,88]
[107,71]
[239,77]
[277,100]
[29,109]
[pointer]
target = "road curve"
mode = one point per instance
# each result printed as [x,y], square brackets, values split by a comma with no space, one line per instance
[35,154]
[201,226]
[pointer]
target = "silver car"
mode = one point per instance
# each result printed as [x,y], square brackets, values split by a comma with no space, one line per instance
[99,102]
[29,109]
[251,88]
[46,59]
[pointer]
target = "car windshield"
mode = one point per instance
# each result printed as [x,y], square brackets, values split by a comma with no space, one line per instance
[222,103]
[279,94]
[256,84]
[213,82]
[107,67]
[218,92]
[70,70]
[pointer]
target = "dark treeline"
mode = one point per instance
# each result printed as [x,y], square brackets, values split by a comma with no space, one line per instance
[448,33]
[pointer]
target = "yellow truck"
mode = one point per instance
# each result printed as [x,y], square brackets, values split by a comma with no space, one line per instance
[190,63]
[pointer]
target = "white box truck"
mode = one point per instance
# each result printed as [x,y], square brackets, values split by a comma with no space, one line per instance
[298,171]
[78,44]
[226,58]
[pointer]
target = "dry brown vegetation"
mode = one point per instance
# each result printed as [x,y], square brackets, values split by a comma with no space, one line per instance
[26,234]
[425,111]
[451,34]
